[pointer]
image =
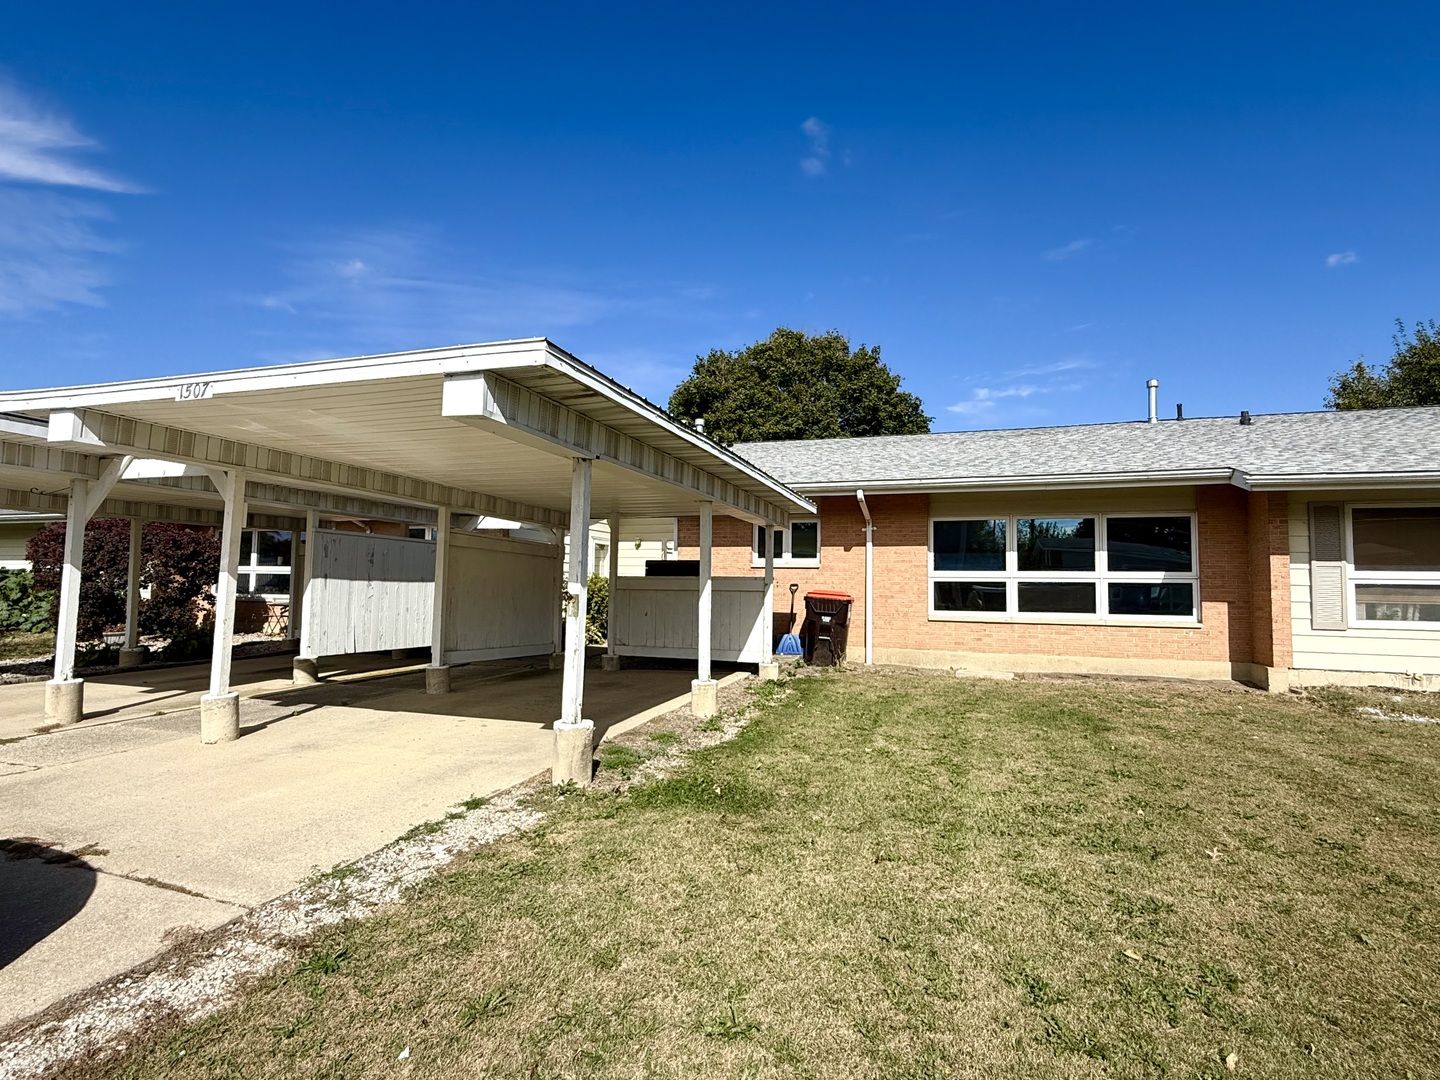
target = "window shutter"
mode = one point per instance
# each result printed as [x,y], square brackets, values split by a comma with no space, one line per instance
[1327,567]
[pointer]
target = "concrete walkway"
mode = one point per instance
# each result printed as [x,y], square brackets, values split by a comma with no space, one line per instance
[123,836]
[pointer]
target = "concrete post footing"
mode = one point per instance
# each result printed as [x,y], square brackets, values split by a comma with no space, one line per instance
[609,662]
[574,749]
[557,661]
[65,701]
[133,658]
[437,679]
[704,697]
[770,672]
[220,718]
[304,671]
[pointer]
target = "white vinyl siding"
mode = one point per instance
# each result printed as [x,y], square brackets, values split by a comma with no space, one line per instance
[13,539]
[1394,648]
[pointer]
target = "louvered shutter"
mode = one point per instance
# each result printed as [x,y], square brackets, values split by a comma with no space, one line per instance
[1327,566]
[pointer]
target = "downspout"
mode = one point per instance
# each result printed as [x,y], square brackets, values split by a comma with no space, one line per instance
[869,577]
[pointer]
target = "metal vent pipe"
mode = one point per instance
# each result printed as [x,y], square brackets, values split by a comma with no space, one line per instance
[1153,386]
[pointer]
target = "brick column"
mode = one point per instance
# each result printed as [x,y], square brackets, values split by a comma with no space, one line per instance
[1270,585]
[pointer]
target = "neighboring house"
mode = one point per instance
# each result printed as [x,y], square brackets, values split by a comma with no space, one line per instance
[1282,550]
[16,529]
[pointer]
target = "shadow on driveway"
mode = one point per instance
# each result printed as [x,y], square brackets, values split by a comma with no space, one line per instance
[41,889]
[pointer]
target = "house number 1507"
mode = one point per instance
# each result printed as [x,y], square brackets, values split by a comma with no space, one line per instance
[194,391]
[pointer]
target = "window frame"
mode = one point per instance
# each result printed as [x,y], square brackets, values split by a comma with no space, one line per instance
[1101,576]
[1354,577]
[247,572]
[757,560]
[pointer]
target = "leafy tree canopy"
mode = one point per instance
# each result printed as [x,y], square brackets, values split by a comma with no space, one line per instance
[1412,377]
[794,386]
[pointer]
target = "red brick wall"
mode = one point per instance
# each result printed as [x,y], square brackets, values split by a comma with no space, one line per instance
[1229,562]
[1269,527]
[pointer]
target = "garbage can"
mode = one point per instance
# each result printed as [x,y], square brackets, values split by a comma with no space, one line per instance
[827,625]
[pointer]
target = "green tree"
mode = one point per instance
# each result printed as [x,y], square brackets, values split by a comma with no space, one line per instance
[794,386]
[1412,377]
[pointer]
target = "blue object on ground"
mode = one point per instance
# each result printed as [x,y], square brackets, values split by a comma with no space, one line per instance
[790,646]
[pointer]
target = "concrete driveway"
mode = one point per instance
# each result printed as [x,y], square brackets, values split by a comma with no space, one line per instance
[123,834]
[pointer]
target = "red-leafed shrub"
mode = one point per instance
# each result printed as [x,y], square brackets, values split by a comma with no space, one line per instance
[103,570]
[179,566]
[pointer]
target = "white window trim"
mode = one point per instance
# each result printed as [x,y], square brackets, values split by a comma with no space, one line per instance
[1101,576]
[757,560]
[1355,577]
[248,571]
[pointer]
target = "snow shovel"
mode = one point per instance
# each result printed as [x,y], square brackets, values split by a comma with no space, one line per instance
[790,643]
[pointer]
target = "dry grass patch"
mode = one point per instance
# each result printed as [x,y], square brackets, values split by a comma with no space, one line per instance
[911,876]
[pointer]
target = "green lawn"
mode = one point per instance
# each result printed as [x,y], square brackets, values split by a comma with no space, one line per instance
[915,876]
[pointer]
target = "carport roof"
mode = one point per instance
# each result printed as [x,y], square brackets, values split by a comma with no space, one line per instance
[393,417]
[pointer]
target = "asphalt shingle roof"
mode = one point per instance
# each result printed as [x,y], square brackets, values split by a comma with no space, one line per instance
[1279,444]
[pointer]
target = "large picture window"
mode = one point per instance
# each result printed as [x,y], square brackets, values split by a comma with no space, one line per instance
[799,545]
[1395,564]
[1083,568]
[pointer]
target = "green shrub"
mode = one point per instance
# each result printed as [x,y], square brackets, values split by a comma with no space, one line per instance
[597,610]
[23,607]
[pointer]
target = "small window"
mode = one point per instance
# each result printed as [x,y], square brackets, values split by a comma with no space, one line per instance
[264,568]
[970,545]
[1047,544]
[1141,598]
[1057,597]
[799,545]
[1142,544]
[969,596]
[1400,539]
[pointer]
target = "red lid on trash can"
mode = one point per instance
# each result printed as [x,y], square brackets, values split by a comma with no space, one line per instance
[829,594]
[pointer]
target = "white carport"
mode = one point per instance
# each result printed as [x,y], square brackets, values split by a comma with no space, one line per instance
[515,430]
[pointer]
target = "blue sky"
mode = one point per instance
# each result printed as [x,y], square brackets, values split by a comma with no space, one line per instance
[1031,210]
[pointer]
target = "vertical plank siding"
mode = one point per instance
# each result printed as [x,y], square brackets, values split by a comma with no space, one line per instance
[370,593]
[657,617]
[501,599]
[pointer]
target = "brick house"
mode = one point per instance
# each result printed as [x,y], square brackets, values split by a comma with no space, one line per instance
[1280,550]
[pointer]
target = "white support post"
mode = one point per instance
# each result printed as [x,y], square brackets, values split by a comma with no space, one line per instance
[304,670]
[703,692]
[131,655]
[65,694]
[574,735]
[220,708]
[769,667]
[297,588]
[437,675]
[611,659]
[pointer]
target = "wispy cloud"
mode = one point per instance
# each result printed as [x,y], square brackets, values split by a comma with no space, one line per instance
[984,398]
[817,161]
[1341,258]
[390,286]
[1016,395]
[378,289]
[48,240]
[36,146]
[1067,251]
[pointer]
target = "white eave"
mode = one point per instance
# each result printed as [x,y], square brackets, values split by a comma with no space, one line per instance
[383,412]
[1066,481]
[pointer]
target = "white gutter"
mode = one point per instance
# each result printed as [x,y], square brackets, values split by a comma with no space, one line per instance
[1155,478]
[1295,481]
[869,578]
